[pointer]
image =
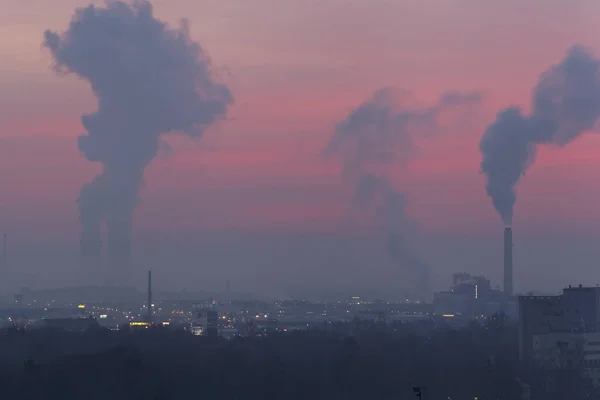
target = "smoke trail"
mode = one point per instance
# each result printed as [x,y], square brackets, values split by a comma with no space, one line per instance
[565,103]
[375,193]
[149,79]
[377,135]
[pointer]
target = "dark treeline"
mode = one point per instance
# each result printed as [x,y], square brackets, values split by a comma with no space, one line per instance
[374,362]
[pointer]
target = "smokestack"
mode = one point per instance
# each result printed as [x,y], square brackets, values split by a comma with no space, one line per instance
[149,296]
[508,262]
[4,253]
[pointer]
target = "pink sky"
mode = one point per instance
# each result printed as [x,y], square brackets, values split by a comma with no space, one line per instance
[297,67]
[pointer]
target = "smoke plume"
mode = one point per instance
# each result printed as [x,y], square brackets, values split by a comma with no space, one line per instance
[149,79]
[377,136]
[565,103]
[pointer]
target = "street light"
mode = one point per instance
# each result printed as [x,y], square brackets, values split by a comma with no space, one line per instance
[418,391]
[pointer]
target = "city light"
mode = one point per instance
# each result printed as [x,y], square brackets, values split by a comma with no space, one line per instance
[137,323]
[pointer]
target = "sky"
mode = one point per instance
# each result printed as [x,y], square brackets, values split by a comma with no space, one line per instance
[254,201]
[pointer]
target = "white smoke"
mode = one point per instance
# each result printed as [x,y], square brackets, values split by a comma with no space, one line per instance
[376,136]
[565,104]
[149,80]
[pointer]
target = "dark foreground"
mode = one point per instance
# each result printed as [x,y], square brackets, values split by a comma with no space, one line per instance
[372,363]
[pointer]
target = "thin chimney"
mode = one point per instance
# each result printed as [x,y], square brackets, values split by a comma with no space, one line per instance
[508,262]
[4,253]
[150,296]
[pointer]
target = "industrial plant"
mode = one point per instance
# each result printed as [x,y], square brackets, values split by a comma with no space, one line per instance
[472,296]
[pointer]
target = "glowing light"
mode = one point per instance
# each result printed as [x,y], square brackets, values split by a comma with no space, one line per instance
[81,306]
[448,315]
[137,323]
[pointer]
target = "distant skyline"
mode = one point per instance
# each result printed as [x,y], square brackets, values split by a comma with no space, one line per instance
[256,197]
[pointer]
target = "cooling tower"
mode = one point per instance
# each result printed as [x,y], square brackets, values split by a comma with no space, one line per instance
[508,262]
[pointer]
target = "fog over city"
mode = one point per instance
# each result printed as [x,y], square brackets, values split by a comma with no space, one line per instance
[299,199]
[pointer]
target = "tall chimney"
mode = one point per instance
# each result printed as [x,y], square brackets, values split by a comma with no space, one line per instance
[4,254]
[508,262]
[150,296]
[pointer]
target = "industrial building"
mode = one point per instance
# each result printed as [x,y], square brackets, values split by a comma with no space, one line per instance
[470,296]
[537,315]
[576,311]
[206,323]
[562,330]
